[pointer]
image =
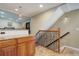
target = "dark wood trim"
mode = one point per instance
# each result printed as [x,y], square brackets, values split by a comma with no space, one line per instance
[54,30]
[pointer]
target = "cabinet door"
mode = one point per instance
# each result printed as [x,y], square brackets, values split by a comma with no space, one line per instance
[31,48]
[26,46]
[1,52]
[8,48]
[9,51]
[22,51]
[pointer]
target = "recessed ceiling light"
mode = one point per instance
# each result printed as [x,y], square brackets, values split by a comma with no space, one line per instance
[2,12]
[16,9]
[41,6]
[66,20]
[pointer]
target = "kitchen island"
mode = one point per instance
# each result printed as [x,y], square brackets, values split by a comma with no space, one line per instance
[16,43]
[6,34]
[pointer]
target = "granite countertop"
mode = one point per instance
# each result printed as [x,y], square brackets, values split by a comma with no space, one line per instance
[9,34]
[5,37]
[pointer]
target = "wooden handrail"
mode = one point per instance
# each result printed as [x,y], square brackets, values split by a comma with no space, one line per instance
[58,35]
[37,32]
[54,30]
[58,39]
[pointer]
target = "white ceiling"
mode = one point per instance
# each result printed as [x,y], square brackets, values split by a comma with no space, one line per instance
[28,9]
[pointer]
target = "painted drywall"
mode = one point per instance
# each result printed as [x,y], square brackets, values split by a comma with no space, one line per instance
[69,22]
[45,20]
[38,20]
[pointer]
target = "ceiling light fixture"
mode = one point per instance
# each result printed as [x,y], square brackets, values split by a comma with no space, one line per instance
[19,12]
[41,6]
[66,20]
[16,9]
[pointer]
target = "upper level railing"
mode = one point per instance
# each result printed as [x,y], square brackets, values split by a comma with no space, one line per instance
[50,38]
[44,37]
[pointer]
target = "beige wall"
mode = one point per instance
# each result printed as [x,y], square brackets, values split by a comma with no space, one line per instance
[38,21]
[69,22]
[45,20]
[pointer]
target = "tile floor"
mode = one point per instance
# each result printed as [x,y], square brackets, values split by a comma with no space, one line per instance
[42,51]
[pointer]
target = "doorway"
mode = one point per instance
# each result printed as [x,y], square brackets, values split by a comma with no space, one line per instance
[28,26]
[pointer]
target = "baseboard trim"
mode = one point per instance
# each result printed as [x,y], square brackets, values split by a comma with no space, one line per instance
[63,47]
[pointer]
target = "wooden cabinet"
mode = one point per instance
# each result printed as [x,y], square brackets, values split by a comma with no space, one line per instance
[24,46]
[8,47]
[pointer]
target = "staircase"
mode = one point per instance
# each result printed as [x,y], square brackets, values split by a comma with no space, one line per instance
[50,39]
[47,19]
